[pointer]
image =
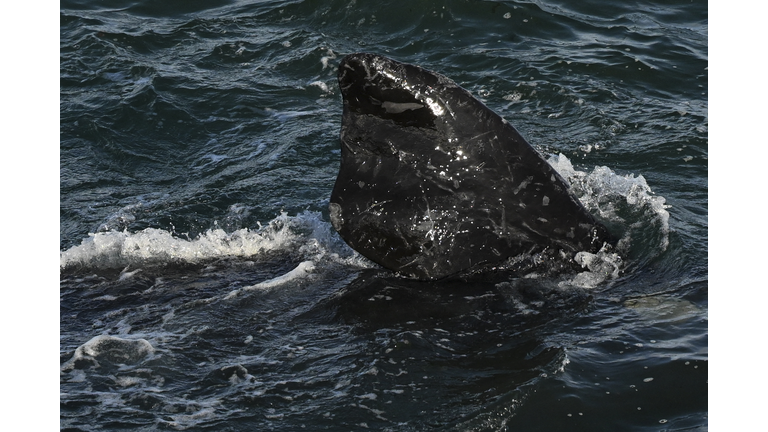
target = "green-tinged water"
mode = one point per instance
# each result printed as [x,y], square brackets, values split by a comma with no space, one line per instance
[203,287]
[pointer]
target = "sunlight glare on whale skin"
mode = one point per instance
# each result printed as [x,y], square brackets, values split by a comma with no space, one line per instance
[433,183]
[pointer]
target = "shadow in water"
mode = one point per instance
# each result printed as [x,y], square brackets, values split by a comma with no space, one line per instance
[377,299]
[459,349]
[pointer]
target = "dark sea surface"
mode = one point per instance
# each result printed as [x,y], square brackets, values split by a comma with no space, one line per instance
[202,286]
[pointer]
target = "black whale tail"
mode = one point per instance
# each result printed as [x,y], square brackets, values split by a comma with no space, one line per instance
[433,183]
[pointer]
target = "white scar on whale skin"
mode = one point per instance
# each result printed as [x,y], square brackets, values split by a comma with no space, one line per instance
[433,105]
[397,108]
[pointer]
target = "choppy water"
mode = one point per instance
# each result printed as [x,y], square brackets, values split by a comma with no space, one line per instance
[203,288]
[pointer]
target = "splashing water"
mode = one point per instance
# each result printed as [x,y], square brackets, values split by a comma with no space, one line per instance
[602,192]
[615,199]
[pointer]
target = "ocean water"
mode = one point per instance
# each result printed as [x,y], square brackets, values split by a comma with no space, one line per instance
[202,286]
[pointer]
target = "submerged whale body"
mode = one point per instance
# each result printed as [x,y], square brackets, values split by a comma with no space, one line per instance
[433,183]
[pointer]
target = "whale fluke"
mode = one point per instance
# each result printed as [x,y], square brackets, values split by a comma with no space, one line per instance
[433,183]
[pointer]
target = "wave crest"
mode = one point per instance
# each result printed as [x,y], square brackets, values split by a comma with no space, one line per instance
[152,246]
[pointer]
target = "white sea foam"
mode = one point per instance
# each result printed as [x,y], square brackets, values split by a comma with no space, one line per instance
[110,348]
[198,412]
[115,249]
[305,235]
[301,271]
[329,55]
[614,198]
[601,190]
[600,266]
[151,246]
[322,86]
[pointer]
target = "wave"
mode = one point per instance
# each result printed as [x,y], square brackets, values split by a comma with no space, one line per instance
[111,349]
[630,209]
[624,202]
[306,234]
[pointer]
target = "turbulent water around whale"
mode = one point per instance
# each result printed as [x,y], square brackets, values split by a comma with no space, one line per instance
[203,287]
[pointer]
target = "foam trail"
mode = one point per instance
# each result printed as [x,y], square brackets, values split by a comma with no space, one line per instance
[117,249]
[302,270]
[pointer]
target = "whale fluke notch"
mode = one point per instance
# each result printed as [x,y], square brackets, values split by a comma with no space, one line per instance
[433,183]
